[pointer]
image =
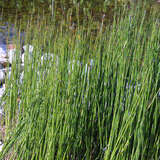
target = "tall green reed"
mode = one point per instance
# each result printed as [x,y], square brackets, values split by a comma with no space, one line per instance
[72,109]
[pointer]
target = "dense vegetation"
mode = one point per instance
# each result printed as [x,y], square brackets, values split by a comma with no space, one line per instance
[97,98]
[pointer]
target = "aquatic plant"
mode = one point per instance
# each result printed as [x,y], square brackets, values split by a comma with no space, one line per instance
[108,109]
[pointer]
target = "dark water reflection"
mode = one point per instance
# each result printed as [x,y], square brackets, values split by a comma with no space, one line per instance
[7,34]
[63,10]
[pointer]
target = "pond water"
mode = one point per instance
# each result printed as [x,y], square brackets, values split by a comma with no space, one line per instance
[7,34]
[16,10]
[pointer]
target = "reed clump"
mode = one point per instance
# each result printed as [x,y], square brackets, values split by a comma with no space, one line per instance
[94,95]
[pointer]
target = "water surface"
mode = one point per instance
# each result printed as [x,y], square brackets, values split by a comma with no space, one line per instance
[64,10]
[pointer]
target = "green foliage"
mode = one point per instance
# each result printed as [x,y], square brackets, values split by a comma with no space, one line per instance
[110,112]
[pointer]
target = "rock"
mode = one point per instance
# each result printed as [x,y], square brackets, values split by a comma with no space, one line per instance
[11,46]
[1,66]
[6,70]
[2,90]
[11,55]
[2,76]
[28,48]
[1,146]
[3,49]
[3,61]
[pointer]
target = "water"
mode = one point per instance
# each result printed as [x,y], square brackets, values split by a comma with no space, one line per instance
[11,11]
[7,34]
